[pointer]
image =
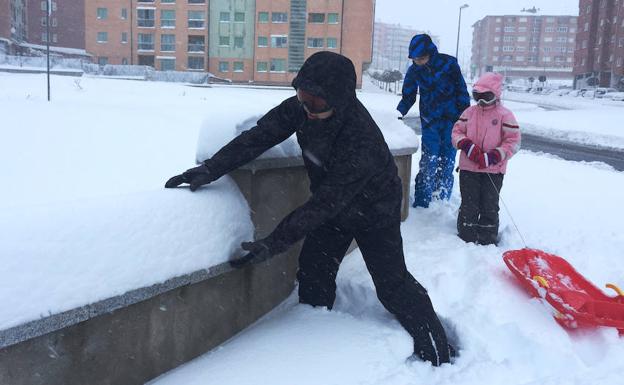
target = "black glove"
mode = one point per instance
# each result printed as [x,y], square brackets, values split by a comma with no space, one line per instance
[258,251]
[196,177]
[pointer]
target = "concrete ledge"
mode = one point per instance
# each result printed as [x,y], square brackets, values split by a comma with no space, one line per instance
[132,338]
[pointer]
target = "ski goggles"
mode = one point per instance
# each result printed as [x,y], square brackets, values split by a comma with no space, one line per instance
[484,98]
[312,104]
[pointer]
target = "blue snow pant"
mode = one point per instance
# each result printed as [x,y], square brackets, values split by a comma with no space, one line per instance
[435,177]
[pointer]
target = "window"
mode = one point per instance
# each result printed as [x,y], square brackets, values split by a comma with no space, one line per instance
[196,43]
[279,17]
[124,13]
[196,19]
[238,66]
[102,60]
[549,29]
[499,20]
[279,41]
[562,29]
[508,49]
[124,37]
[54,22]
[238,42]
[263,17]
[102,37]
[224,66]
[508,38]
[508,58]
[167,64]
[316,17]
[146,41]
[509,28]
[498,29]
[564,39]
[520,49]
[586,27]
[124,61]
[519,58]
[548,39]
[315,42]
[332,42]
[146,60]
[167,1]
[167,43]
[550,19]
[224,41]
[522,29]
[278,65]
[546,59]
[621,42]
[145,17]
[497,38]
[197,2]
[262,66]
[263,41]
[167,18]
[224,17]
[44,21]
[523,20]
[239,17]
[521,38]
[102,13]
[195,63]
[332,18]
[496,48]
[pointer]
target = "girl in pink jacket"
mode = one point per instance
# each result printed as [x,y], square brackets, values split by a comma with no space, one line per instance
[487,135]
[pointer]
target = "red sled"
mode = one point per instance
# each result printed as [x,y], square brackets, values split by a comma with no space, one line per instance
[577,303]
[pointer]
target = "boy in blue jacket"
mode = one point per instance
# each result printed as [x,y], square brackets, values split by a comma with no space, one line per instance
[443,98]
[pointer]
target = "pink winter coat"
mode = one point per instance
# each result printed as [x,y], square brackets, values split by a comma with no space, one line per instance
[489,127]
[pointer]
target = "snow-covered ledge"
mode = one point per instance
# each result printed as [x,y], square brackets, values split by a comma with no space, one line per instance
[147,330]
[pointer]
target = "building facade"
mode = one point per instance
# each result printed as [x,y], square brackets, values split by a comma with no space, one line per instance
[522,47]
[262,41]
[23,25]
[391,45]
[599,59]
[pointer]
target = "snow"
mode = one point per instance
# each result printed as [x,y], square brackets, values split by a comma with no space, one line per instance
[505,336]
[84,216]
[574,119]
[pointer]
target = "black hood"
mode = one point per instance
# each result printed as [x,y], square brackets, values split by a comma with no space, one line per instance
[330,76]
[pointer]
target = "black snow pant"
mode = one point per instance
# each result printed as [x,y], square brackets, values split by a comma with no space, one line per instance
[323,251]
[478,214]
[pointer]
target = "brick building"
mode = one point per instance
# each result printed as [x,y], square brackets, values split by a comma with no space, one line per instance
[391,44]
[599,58]
[524,46]
[263,41]
[23,25]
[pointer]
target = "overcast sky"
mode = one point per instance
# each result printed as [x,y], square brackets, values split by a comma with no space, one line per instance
[440,16]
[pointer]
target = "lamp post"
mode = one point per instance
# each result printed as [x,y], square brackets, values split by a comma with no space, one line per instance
[458,28]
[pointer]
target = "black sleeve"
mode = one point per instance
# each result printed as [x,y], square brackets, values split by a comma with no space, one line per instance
[350,170]
[273,128]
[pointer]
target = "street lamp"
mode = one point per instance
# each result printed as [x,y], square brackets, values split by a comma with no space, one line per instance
[458,28]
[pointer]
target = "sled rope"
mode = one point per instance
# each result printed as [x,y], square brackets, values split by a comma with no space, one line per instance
[507,210]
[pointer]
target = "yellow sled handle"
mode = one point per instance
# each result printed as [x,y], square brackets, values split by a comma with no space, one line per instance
[541,280]
[619,291]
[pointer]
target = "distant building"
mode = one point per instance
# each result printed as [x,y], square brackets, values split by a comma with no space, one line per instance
[599,58]
[262,41]
[524,46]
[23,26]
[391,44]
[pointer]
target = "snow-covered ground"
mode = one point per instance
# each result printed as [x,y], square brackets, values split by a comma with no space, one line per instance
[576,119]
[83,185]
[505,336]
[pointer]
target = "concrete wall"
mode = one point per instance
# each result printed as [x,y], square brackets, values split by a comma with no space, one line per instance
[135,337]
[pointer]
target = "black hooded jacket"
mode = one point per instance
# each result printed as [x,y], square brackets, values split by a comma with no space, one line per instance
[353,177]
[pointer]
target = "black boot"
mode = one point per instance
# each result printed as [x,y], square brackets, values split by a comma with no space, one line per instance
[430,344]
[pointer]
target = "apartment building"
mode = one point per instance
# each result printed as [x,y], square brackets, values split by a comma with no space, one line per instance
[262,41]
[525,46]
[23,25]
[599,58]
[391,44]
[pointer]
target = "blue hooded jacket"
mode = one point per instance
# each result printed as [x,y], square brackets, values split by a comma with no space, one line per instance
[443,93]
